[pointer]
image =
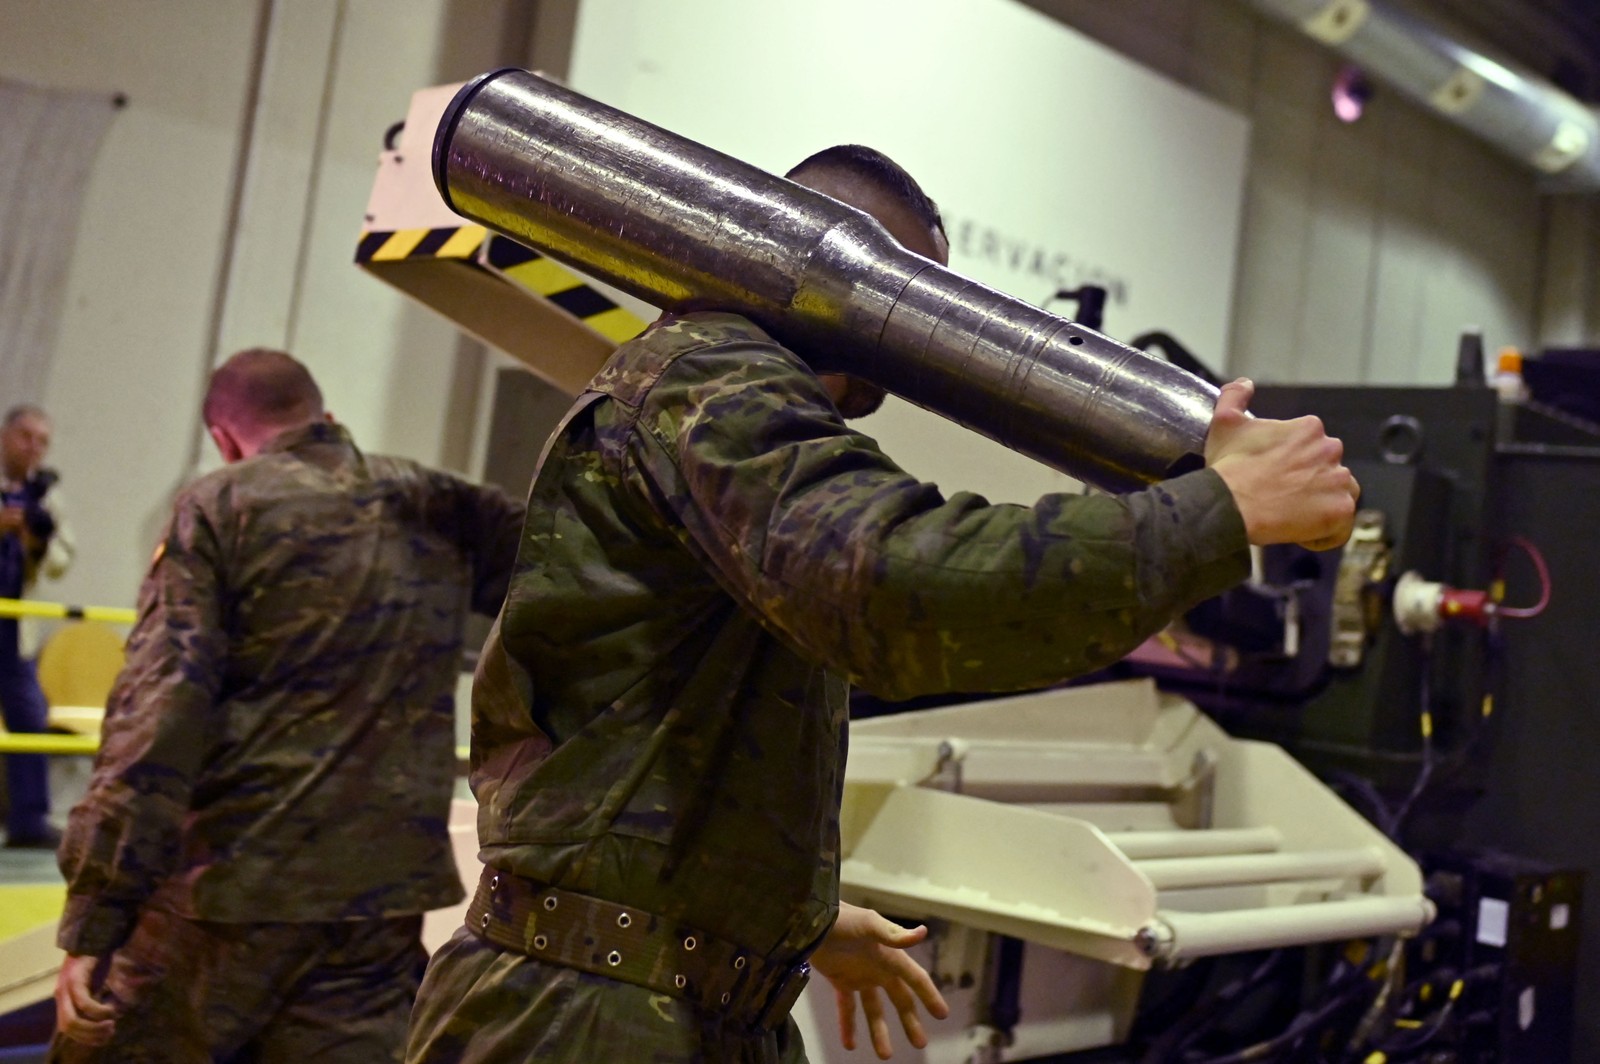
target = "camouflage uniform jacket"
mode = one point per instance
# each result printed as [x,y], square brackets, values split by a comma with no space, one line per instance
[711,556]
[279,745]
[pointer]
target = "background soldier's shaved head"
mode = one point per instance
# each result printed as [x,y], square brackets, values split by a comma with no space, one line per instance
[262,388]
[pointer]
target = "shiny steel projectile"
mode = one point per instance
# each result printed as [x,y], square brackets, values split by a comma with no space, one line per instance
[684,227]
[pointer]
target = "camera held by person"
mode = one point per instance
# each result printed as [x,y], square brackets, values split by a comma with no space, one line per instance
[40,522]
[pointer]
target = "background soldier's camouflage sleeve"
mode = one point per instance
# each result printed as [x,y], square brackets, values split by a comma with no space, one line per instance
[289,696]
[124,838]
[873,573]
[487,524]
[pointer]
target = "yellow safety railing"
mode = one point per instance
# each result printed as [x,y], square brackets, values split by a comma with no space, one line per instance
[28,608]
[88,745]
[57,743]
[65,744]
[48,743]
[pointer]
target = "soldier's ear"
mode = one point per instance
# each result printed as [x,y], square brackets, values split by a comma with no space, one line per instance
[227,446]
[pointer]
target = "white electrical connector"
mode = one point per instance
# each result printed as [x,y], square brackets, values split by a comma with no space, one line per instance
[1417,604]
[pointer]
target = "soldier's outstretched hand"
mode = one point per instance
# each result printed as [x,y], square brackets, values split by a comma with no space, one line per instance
[1287,477]
[865,953]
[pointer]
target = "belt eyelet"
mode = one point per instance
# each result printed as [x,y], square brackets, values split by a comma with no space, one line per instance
[540,942]
[690,942]
[550,903]
[624,920]
[613,958]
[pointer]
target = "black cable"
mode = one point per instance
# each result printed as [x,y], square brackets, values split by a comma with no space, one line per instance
[1393,976]
[1413,1040]
[1409,1041]
[1425,723]
[1169,997]
[1303,1025]
[1434,765]
[1004,1006]
[1473,730]
[1349,785]
[1207,1015]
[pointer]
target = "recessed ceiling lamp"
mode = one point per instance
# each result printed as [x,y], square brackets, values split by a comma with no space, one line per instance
[1351,91]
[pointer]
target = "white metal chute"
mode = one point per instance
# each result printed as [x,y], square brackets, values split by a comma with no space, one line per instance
[1190,935]
[936,854]
[1151,845]
[1115,823]
[1222,870]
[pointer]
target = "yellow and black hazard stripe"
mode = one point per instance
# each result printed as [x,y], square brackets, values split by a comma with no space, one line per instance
[522,266]
[451,242]
[543,276]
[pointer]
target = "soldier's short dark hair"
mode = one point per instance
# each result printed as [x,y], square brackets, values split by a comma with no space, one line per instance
[261,387]
[22,410]
[871,165]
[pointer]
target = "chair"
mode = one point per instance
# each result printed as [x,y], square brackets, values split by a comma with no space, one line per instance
[77,667]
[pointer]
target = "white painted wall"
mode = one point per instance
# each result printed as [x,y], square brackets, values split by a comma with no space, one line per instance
[126,373]
[158,289]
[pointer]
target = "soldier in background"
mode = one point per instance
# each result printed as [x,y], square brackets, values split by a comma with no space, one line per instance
[34,541]
[267,818]
[711,557]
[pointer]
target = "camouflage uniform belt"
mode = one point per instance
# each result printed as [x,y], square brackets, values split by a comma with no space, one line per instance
[632,946]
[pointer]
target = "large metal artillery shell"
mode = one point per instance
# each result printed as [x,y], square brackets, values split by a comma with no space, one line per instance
[685,227]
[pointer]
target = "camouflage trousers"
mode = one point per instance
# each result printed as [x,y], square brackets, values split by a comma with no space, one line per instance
[216,993]
[480,1004]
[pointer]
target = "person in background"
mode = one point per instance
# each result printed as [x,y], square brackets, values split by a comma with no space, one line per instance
[267,818]
[34,541]
[712,556]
